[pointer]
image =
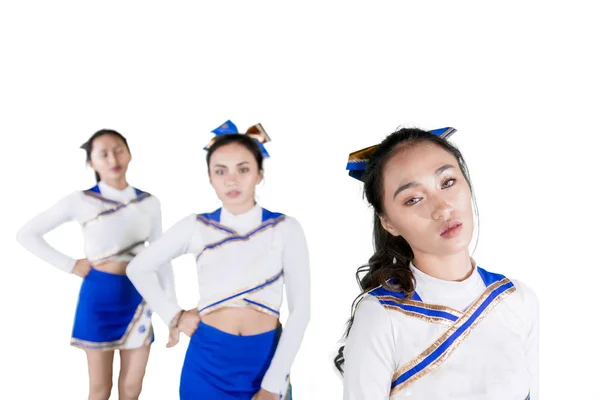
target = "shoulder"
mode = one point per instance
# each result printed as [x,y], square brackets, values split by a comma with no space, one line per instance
[526,294]
[381,294]
[283,221]
[73,199]
[371,317]
[290,229]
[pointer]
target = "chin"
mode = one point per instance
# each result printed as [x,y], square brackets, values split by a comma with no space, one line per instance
[454,247]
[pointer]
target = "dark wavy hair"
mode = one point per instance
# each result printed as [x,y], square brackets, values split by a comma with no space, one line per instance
[248,142]
[393,254]
[88,146]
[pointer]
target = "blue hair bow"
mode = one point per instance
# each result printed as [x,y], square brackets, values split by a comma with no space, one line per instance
[256,132]
[358,160]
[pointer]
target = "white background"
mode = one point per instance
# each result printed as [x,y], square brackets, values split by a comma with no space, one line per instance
[519,80]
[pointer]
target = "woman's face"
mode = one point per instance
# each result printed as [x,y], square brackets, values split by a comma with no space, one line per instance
[427,200]
[109,157]
[234,174]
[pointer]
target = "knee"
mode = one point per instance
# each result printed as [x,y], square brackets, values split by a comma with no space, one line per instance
[130,390]
[100,390]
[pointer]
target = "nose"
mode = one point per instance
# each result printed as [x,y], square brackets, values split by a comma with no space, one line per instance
[231,180]
[442,210]
[111,158]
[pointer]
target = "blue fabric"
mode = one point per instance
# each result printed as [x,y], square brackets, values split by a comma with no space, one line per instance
[266,215]
[213,216]
[227,127]
[95,189]
[381,291]
[489,278]
[219,365]
[107,304]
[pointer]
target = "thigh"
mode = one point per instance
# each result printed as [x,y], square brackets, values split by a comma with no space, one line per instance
[133,364]
[100,367]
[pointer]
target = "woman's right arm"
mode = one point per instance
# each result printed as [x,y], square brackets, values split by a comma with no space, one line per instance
[369,353]
[143,269]
[31,236]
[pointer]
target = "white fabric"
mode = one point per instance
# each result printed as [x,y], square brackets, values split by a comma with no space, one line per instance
[497,361]
[105,235]
[236,265]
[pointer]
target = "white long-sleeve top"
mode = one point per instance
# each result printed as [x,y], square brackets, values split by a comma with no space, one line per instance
[116,225]
[242,261]
[388,345]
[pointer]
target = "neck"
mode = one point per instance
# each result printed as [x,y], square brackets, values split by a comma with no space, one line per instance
[118,184]
[455,267]
[239,208]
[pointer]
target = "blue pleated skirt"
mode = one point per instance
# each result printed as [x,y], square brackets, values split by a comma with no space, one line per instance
[219,365]
[111,314]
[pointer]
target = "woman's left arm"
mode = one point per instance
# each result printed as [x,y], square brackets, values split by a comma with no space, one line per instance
[296,277]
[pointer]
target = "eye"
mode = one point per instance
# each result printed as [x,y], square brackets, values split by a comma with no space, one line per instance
[219,172]
[448,183]
[244,170]
[412,201]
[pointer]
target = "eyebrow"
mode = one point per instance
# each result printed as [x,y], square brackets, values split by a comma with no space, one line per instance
[410,185]
[225,166]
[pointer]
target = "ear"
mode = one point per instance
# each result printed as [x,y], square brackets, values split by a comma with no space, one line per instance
[387,225]
[261,176]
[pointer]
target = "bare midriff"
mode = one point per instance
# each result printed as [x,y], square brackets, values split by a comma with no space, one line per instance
[240,321]
[112,267]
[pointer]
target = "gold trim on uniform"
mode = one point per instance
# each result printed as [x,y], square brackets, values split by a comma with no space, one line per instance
[233,238]
[434,307]
[463,319]
[215,224]
[117,205]
[422,317]
[235,295]
[119,252]
[115,344]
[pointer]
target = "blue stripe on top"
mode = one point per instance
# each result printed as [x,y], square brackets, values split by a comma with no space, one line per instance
[95,189]
[213,219]
[266,215]
[213,216]
[242,237]
[262,306]
[95,192]
[382,294]
[449,341]
[420,310]
[267,283]
[489,278]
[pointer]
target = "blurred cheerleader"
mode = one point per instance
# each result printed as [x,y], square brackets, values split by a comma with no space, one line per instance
[117,220]
[245,256]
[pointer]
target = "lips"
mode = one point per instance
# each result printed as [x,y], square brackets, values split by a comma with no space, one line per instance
[115,169]
[233,193]
[450,228]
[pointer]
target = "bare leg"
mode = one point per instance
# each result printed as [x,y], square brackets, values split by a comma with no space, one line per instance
[100,367]
[133,368]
